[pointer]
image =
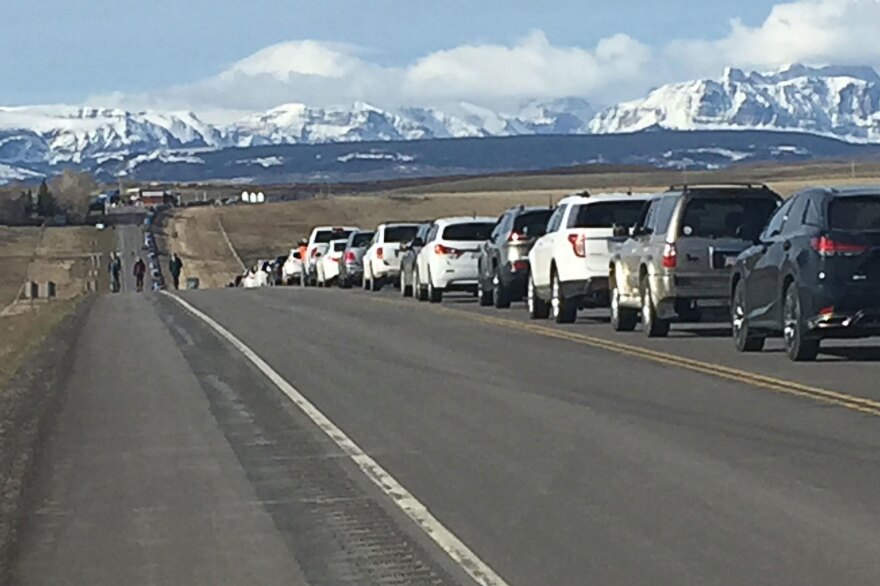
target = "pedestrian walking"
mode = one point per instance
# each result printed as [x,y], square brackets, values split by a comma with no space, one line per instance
[140,270]
[115,269]
[175,266]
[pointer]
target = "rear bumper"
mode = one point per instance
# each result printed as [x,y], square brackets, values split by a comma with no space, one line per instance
[516,279]
[849,324]
[678,296]
[591,292]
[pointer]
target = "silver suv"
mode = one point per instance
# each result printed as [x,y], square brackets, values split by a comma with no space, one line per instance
[676,263]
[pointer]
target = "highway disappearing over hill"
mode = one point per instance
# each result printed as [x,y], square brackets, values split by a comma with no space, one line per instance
[307,436]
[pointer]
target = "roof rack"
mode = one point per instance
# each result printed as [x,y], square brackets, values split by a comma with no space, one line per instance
[730,185]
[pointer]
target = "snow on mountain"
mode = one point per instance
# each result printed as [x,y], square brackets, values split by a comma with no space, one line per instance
[67,134]
[10,173]
[843,102]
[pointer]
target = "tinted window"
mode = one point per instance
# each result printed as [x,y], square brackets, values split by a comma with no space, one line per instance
[606,214]
[555,219]
[534,221]
[472,231]
[400,233]
[498,230]
[855,213]
[719,217]
[325,236]
[812,216]
[361,239]
[424,230]
[774,227]
[795,214]
[664,214]
[339,246]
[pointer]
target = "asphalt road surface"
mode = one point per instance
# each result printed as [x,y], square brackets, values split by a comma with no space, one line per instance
[557,455]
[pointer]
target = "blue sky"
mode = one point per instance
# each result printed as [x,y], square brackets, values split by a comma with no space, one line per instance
[69,50]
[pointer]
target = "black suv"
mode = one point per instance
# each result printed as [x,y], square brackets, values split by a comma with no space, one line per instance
[814,273]
[504,257]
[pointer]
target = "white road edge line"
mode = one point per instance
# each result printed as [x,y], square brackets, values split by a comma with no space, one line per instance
[415,510]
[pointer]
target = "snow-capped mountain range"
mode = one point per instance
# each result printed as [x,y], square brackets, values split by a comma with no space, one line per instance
[840,102]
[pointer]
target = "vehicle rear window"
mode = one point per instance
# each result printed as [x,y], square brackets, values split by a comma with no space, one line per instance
[471,231]
[855,213]
[339,246]
[723,217]
[325,236]
[400,233]
[532,220]
[606,214]
[362,239]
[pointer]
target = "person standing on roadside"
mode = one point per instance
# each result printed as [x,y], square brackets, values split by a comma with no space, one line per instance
[303,249]
[140,269]
[115,272]
[175,266]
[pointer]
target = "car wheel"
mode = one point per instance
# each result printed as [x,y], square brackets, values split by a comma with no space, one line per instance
[500,293]
[652,326]
[365,281]
[375,284]
[562,310]
[483,296]
[538,308]
[419,291]
[743,339]
[435,295]
[799,345]
[623,319]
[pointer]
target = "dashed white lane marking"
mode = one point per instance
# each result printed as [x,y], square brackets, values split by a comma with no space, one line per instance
[410,505]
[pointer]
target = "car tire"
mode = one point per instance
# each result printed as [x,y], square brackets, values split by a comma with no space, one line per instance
[537,307]
[652,326]
[484,297]
[418,291]
[375,284]
[562,310]
[500,293]
[799,345]
[743,338]
[435,295]
[623,319]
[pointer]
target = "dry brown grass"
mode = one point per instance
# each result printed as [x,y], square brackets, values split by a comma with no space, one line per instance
[196,236]
[20,334]
[16,249]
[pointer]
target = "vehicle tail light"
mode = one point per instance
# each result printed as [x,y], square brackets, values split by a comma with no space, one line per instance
[825,246]
[827,310]
[444,250]
[515,237]
[519,265]
[670,256]
[349,257]
[380,253]
[578,244]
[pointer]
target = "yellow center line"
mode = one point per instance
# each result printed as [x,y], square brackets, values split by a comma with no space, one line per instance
[861,404]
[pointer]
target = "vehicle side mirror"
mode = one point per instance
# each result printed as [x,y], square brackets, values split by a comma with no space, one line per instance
[749,232]
[297,256]
[619,230]
[417,242]
[318,255]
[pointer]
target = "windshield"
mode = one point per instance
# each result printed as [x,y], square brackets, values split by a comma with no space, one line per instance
[400,233]
[607,214]
[362,239]
[533,222]
[722,217]
[853,213]
[325,236]
[471,231]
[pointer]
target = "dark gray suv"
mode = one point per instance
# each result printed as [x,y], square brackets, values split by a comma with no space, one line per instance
[504,258]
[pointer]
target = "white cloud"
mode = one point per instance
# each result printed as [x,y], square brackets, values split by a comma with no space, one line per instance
[497,75]
[838,32]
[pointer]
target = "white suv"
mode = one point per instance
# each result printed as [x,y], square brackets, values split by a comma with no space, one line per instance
[382,258]
[328,263]
[318,242]
[449,259]
[569,263]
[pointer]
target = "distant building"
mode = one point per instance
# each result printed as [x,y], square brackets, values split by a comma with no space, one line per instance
[150,198]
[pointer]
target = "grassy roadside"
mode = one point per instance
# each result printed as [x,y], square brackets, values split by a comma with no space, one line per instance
[62,255]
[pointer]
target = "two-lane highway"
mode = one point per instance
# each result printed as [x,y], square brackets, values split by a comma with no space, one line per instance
[554,458]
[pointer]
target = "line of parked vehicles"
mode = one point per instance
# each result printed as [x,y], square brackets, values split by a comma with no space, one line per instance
[805,269]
